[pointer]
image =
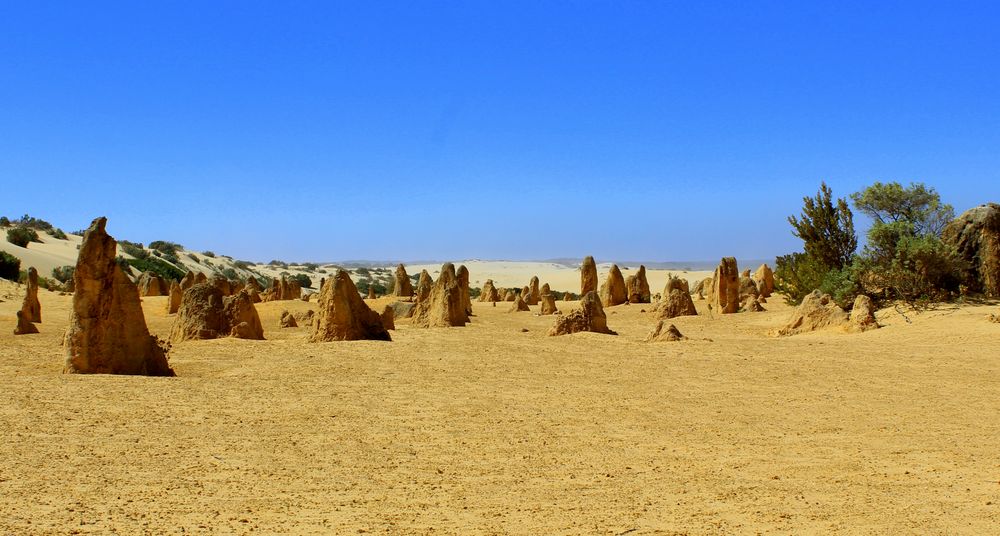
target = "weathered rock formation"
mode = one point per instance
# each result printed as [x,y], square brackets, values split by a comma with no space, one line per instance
[305,318]
[613,290]
[222,284]
[24,326]
[371,292]
[676,299]
[589,317]
[174,297]
[463,281]
[509,295]
[150,285]
[588,276]
[976,236]
[764,277]
[489,292]
[664,332]
[200,278]
[287,320]
[31,307]
[548,302]
[725,294]
[751,304]
[519,305]
[534,294]
[344,316]
[206,314]
[568,296]
[444,306]
[188,281]
[401,309]
[817,311]
[637,287]
[388,317]
[402,286]
[748,289]
[863,314]
[424,286]
[107,330]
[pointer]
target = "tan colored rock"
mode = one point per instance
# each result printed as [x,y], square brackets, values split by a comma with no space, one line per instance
[251,283]
[371,292]
[463,281]
[534,294]
[24,326]
[444,307]
[205,313]
[588,276]
[107,330]
[222,284]
[254,295]
[548,302]
[613,291]
[725,295]
[150,284]
[526,295]
[589,317]
[975,234]
[287,320]
[344,316]
[188,281]
[509,295]
[677,300]
[637,287]
[174,298]
[402,286]
[568,296]
[863,314]
[489,292]
[31,307]
[200,278]
[748,288]
[751,304]
[305,318]
[388,317]
[664,332]
[817,311]
[424,286]
[402,309]
[519,305]
[703,288]
[764,277]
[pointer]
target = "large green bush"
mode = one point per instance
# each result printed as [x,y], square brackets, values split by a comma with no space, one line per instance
[63,273]
[10,266]
[21,236]
[159,267]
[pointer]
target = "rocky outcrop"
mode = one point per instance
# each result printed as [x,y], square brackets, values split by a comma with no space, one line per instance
[424,286]
[388,317]
[444,305]
[588,276]
[613,290]
[24,326]
[568,296]
[725,294]
[976,236]
[863,314]
[151,284]
[534,294]
[489,292]
[31,307]
[751,304]
[509,295]
[107,330]
[817,311]
[664,332]
[174,297]
[463,282]
[401,309]
[764,278]
[344,316]
[371,292]
[519,305]
[402,286]
[305,318]
[548,302]
[200,278]
[222,284]
[205,313]
[282,289]
[188,281]
[287,320]
[676,300]
[637,287]
[589,317]
[748,289]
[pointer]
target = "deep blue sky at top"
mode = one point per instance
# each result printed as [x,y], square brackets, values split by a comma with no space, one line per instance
[416,130]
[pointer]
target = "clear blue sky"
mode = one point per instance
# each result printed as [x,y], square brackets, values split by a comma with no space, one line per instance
[416,130]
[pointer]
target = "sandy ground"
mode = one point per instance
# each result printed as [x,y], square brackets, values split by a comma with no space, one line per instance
[488,430]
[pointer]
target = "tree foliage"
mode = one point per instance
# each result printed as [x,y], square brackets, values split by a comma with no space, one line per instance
[826,229]
[916,204]
[10,266]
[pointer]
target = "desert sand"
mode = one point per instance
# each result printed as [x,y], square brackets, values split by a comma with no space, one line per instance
[491,429]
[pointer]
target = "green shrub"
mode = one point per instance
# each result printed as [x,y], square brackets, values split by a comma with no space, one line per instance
[58,234]
[33,223]
[194,257]
[4,221]
[167,248]
[159,267]
[63,274]
[133,248]
[10,266]
[230,274]
[21,236]
[842,285]
[208,254]
[796,275]
[303,280]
